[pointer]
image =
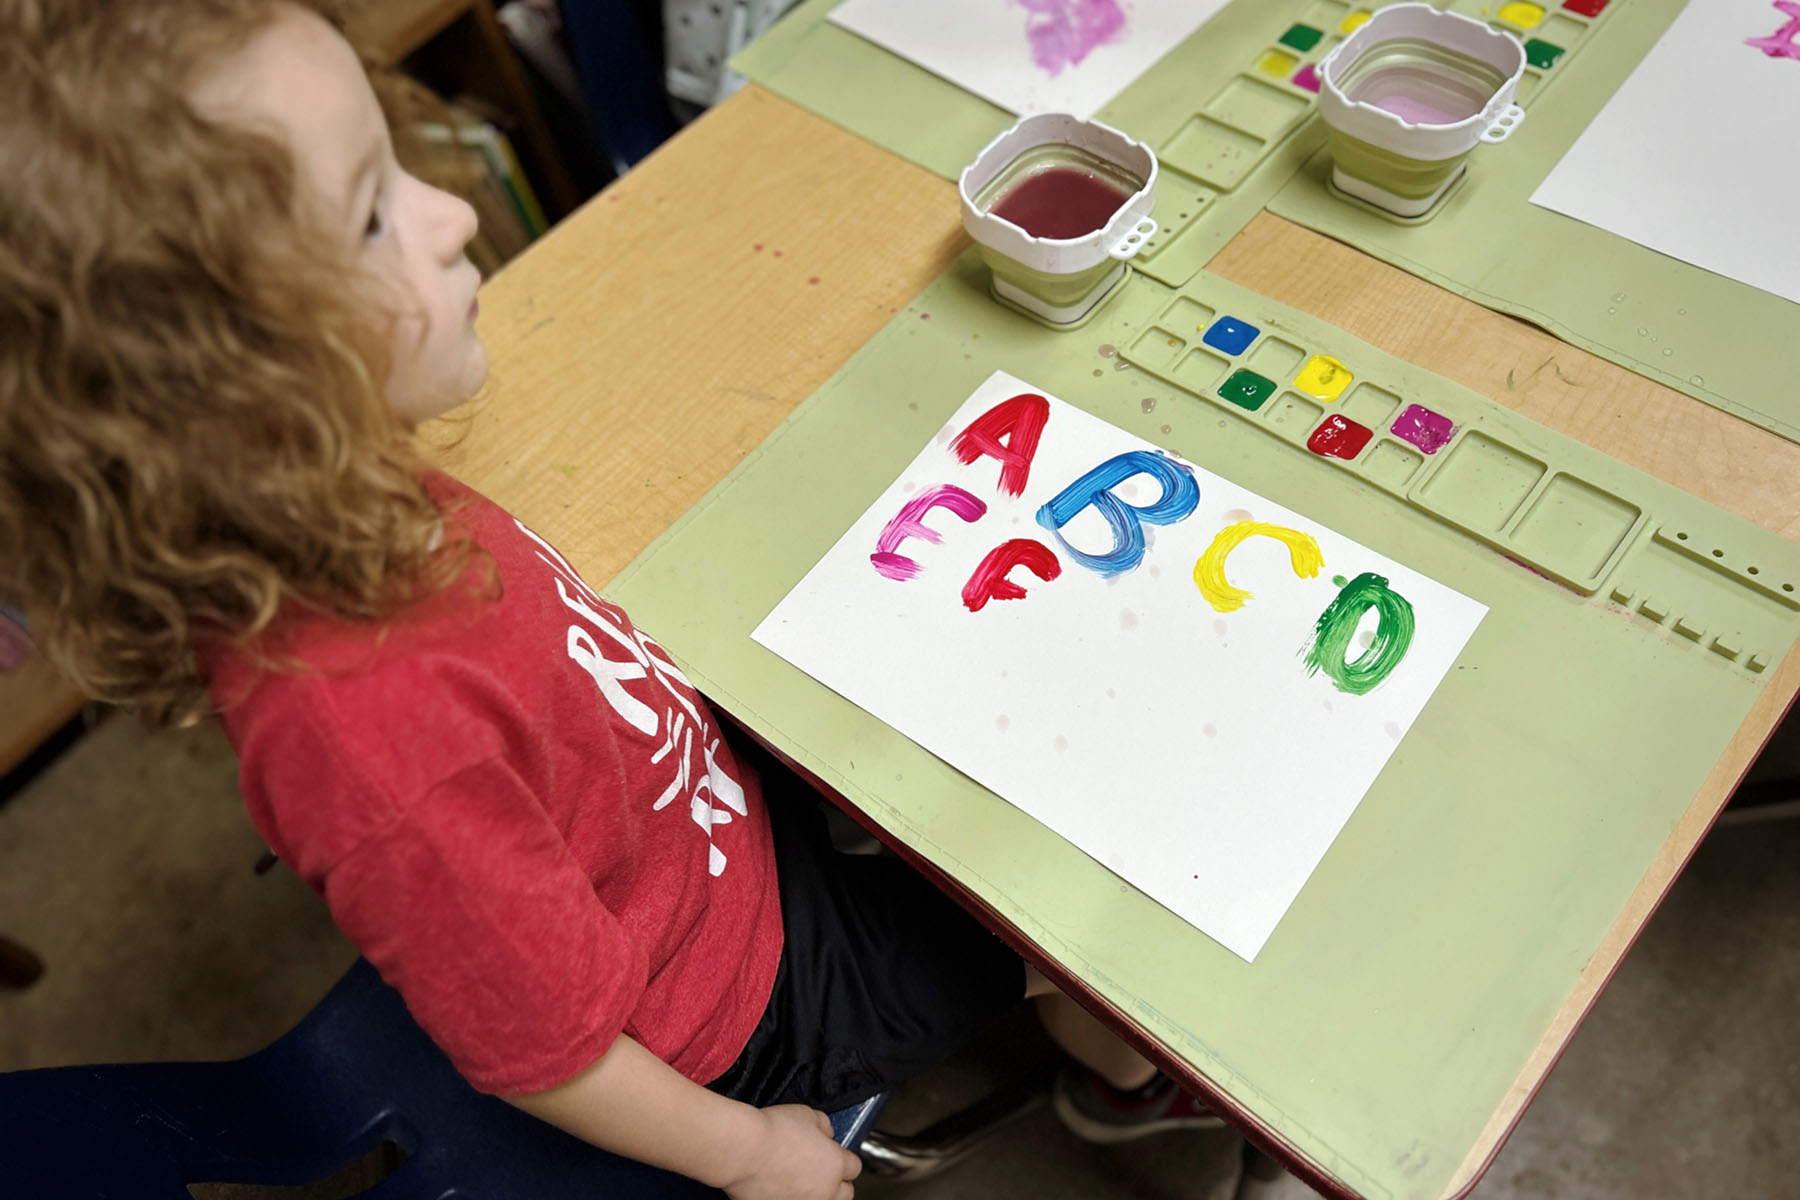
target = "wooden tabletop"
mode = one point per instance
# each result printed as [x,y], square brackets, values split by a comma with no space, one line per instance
[655,337]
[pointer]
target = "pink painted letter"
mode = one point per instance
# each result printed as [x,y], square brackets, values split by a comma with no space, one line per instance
[909,522]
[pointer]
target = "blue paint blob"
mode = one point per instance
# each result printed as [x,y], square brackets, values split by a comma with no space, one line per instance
[1231,335]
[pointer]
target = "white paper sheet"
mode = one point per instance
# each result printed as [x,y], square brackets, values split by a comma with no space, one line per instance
[1697,155]
[1188,749]
[1030,56]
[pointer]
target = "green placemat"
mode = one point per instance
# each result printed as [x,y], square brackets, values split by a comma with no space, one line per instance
[1630,628]
[1232,124]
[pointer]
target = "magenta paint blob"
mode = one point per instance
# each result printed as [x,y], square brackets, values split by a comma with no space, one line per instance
[1427,430]
[1307,77]
[1064,32]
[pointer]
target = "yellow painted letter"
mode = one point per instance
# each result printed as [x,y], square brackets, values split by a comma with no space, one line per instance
[1209,568]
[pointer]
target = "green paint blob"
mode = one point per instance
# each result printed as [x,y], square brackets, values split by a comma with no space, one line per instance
[1337,625]
[1247,389]
[1542,54]
[1301,37]
[1338,581]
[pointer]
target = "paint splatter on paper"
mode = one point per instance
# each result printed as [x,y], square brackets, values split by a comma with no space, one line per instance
[1030,56]
[1063,32]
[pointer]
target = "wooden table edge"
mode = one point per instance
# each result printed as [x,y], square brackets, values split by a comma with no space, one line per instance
[1776,698]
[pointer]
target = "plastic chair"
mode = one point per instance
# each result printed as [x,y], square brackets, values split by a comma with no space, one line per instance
[355,1073]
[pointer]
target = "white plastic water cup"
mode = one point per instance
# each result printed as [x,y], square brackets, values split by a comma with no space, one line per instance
[1059,279]
[1408,96]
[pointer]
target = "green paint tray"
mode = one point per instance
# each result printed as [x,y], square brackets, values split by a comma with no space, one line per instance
[1631,626]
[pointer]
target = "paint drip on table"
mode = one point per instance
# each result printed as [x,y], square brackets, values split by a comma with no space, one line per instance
[1110,600]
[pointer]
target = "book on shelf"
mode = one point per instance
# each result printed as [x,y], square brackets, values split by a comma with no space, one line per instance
[479,165]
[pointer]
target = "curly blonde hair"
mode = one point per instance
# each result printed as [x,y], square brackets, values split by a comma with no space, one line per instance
[194,438]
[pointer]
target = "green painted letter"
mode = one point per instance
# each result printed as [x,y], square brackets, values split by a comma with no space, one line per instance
[1337,625]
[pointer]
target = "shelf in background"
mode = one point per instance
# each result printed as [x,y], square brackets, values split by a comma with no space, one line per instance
[389,30]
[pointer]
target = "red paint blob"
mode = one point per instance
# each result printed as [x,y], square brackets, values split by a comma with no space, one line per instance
[1339,437]
[924,316]
[814,280]
[757,247]
[1059,203]
[1586,8]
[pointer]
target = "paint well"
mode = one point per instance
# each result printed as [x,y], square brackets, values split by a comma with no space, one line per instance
[1323,378]
[1373,406]
[1277,63]
[1521,13]
[1392,465]
[1231,335]
[1339,437]
[1247,389]
[1355,21]
[1302,37]
[1427,430]
[1307,77]
[1542,54]
[1585,8]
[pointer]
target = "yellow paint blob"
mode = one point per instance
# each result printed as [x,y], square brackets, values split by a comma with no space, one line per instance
[1277,64]
[1353,22]
[1323,378]
[1209,568]
[1522,14]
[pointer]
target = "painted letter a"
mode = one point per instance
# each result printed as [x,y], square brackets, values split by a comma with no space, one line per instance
[1020,421]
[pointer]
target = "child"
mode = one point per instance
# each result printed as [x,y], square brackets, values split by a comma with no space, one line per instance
[224,307]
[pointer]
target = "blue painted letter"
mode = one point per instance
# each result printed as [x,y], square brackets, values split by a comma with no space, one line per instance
[1180,496]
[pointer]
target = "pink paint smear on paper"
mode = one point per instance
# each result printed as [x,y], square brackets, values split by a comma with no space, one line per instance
[1063,32]
[1784,42]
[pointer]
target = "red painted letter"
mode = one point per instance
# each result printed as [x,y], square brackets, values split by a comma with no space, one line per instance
[1020,421]
[989,582]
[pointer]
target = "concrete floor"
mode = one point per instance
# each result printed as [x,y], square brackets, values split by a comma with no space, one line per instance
[127,866]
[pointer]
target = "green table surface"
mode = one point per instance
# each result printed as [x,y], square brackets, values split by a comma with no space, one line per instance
[633,368]
[1388,1019]
[1234,138]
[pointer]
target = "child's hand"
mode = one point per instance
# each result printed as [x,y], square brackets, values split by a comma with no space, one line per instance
[797,1159]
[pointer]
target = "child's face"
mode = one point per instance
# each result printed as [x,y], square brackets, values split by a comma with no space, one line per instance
[299,76]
